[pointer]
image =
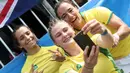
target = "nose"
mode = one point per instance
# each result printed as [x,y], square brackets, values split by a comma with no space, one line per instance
[64,34]
[69,16]
[27,37]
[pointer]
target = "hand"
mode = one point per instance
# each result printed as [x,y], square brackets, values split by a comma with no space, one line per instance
[116,40]
[91,60]
[94,27]
[57,56]
[34,71]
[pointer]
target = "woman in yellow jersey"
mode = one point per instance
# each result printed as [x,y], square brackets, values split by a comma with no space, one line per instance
[62,34]
[92,21]
[39,57]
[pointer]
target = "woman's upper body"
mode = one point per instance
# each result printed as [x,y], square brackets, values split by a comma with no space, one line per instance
[38,56]
[42,60]
[62,34]
[92,20]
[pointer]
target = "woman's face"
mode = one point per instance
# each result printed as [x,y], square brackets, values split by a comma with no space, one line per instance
[62,34]
[70,14]
[25,38]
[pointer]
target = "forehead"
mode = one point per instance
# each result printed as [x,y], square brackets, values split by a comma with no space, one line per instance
[59,26]
[21,31]
[63,8]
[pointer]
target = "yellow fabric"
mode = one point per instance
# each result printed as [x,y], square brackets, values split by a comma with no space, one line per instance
[104,15]
[42,60]
[76,63]
[72,63]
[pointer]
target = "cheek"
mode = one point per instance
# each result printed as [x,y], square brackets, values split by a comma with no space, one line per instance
[21,43]
[59,41]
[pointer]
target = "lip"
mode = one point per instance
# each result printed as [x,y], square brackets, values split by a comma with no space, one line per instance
[67,39]
[74,20]
[30,40]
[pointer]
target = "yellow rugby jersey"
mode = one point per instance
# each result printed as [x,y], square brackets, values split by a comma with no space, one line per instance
[76,63]
[104,15]
[42,61]
[72,63]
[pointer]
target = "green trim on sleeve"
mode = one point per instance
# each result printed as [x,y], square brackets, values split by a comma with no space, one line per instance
[107,53]
[109,18]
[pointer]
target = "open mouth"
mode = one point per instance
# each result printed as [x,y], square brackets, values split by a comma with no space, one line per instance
[29,41]
[67,39]
[74,20]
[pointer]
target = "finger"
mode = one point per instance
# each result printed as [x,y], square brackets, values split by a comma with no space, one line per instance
[86,52]
[51,51]
[93,25]
[58,50]
[54,57]
[87,25]
[114,45]
[32,69]
[95,30]
[96,52]
[91,55]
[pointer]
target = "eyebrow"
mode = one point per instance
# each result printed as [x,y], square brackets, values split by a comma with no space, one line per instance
[69,9]
[66,11]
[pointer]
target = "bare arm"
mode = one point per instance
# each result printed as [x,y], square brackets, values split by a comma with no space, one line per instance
[105,40]
[95,27]
[122,29]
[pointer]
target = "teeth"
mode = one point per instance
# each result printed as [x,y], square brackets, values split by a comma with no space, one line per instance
[29,40]
[67,38]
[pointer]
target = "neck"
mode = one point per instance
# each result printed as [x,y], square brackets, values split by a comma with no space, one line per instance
[33,50]
[73,49]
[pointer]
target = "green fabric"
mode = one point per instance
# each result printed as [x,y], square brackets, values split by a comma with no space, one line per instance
[108,54]
[109,18]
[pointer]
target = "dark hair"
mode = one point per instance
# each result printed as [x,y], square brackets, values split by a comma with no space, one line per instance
[15,41]
[59,3]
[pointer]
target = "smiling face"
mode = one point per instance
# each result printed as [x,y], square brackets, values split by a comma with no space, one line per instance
[70,14]
[62,34]
[25,38]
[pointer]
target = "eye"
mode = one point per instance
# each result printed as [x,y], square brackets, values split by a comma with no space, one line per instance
[58,35]
[21,38]
[63,16]
[65,29]
[70,10]
[27,33]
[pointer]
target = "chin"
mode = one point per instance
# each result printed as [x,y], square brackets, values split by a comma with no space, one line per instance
[69,43]
[33,44]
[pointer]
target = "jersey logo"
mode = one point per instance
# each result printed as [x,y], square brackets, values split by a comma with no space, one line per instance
[78,66]
[35,67]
